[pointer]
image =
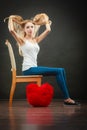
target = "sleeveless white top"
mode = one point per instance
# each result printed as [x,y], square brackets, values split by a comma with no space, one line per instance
[29,52]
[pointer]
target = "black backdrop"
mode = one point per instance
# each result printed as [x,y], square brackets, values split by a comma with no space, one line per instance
[64,47]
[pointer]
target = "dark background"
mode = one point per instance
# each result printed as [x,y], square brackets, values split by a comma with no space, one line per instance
[64,47]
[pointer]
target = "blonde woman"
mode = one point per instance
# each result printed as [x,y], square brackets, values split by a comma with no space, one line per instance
[25,34]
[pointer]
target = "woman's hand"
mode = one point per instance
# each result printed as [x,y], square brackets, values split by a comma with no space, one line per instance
[16,18]
[50,22]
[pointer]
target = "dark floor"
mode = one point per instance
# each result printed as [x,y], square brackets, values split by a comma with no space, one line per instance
[22,116]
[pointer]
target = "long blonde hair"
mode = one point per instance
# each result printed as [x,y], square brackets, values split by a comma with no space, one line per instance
[19,23]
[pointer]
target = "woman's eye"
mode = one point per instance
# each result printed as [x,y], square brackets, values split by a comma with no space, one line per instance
[31,26]
[27,27]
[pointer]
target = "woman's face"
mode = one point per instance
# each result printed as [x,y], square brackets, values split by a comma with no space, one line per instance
[29,29]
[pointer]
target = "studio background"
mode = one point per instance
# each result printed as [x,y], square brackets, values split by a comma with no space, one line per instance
[64,47]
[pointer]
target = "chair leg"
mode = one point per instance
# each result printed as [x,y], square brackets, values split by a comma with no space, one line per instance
[12,93]
[39,82]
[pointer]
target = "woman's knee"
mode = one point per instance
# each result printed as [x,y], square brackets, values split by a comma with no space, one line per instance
[62,69]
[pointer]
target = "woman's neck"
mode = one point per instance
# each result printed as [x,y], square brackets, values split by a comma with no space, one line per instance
[30,38]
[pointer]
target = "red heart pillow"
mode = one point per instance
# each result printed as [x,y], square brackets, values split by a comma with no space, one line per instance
[39,96]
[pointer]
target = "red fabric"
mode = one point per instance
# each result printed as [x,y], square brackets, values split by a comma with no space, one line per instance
[39,96]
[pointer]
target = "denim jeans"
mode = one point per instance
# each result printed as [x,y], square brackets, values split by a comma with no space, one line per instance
[45,71]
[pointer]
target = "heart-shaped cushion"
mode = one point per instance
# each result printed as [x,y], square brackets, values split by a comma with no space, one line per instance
[39,96]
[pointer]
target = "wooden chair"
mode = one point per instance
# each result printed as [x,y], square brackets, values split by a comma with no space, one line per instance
[19,78]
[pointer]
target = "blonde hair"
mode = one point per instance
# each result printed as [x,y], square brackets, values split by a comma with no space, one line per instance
[19,23]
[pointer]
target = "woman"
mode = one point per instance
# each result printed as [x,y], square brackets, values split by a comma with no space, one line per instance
[25,33]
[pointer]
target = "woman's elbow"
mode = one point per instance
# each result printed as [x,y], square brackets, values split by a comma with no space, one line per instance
[49,30]
[11,31]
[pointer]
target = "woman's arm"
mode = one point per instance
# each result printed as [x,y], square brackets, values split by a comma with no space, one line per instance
[12,30]
[45,33]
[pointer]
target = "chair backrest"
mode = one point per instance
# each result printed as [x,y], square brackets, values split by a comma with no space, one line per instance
[11,54]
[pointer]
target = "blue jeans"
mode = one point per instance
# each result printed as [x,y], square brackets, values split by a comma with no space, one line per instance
[45,71]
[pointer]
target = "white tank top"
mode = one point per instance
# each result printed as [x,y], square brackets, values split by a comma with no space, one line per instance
[29,52]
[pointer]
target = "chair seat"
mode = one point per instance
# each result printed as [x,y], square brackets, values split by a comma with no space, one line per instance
[28,76]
